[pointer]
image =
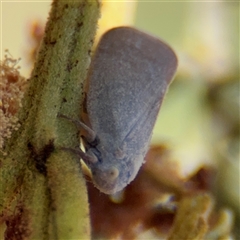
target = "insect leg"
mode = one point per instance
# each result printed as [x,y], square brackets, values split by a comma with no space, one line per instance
[91,135]
[85,157]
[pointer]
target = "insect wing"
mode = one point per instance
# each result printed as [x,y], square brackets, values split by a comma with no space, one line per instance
[128,78]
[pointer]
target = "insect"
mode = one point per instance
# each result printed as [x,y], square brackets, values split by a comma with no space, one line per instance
[128,77]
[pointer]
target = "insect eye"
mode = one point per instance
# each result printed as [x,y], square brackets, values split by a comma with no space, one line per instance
[113,173]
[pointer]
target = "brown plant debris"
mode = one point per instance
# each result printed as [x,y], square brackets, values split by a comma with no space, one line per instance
[160,203]
[12,87]
[35,37]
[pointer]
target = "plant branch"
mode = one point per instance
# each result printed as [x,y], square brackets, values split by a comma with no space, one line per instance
[43,193]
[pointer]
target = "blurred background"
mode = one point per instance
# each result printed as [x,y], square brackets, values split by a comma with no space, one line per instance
[199,119]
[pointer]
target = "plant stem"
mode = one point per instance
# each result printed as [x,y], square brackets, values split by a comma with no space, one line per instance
[42,186]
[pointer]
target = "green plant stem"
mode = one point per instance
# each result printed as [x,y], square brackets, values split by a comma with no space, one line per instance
[43,193]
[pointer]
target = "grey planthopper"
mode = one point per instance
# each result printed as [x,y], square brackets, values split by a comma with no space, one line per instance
[128,78]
